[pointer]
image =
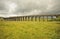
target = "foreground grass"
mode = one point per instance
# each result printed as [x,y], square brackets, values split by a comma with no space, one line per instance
[29,30]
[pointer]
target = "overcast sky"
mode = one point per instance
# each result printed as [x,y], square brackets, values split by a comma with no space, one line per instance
[28,7]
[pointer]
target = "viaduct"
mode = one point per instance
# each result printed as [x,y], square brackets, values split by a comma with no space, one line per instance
[32,17]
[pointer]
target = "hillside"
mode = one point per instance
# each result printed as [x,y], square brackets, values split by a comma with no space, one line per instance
[29,30]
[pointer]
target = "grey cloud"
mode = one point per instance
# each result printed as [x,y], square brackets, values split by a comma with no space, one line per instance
[30,7]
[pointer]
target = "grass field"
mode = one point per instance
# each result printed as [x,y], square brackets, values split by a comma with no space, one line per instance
[29,30]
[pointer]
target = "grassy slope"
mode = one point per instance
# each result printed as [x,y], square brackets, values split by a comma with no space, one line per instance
[29,30]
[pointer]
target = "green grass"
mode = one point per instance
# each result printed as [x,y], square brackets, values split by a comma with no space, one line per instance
[29,30]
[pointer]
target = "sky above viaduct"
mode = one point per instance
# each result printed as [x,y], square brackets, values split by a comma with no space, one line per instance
[28,7]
